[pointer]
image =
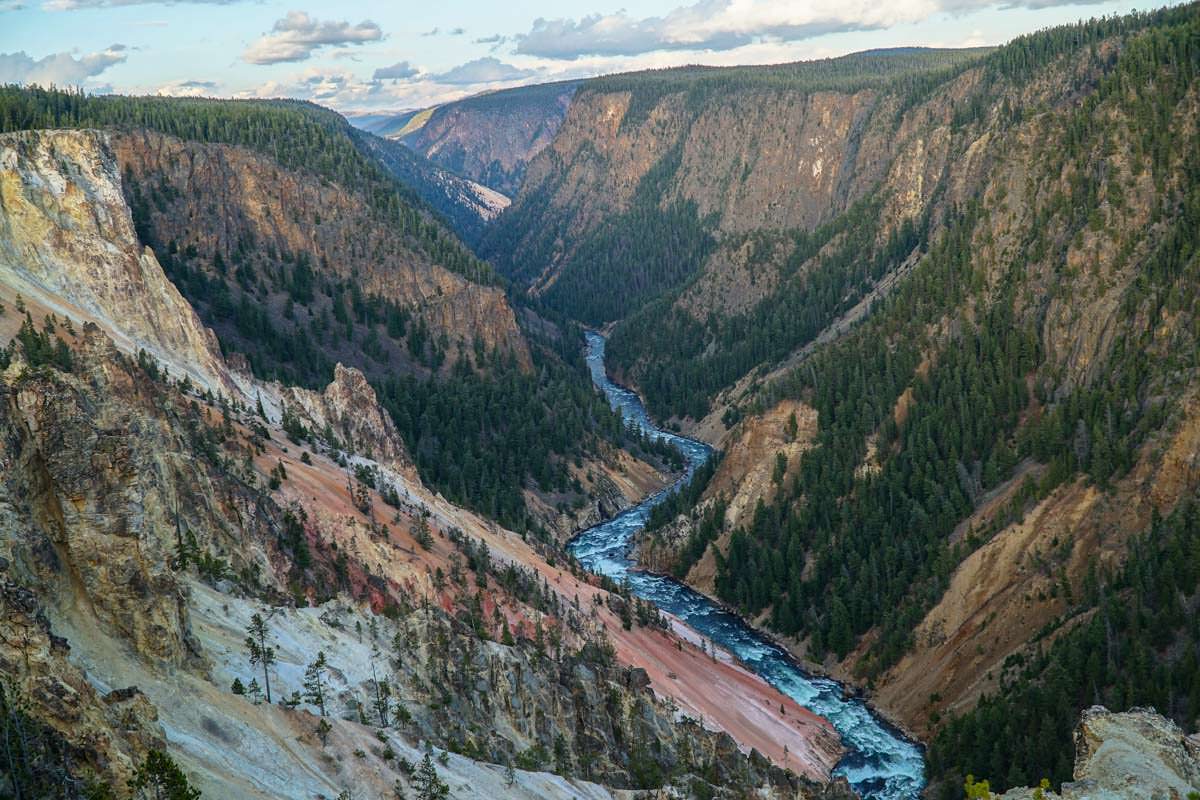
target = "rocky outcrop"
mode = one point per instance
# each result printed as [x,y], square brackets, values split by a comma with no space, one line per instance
[67,239]
[349,410]
[1135,755]
[103,485]
[101,735]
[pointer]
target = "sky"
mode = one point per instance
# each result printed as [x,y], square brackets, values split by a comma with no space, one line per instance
[359,56]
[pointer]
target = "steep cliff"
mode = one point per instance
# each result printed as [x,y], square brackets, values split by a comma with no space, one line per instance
[490,138]
[67,237]
[725,152]
[231,224]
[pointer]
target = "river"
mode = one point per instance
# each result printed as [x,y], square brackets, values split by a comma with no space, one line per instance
[880,763]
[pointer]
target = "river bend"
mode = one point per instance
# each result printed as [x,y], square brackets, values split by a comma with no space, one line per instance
[880,763]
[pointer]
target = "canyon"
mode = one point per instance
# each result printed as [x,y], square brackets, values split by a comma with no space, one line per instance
[147,577]
[818,429]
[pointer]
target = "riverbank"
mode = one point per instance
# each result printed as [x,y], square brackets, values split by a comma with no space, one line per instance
[880,763]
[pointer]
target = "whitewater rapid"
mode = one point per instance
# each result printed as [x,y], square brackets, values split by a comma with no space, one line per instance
[880,763]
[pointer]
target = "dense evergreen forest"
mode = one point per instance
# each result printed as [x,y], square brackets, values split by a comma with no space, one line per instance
[888,533]
[842,551]
[681,362]
[663,243]
[480,440]
[693,359]
[906,70]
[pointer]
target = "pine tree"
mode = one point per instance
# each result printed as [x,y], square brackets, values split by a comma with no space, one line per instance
[429,785]
[383,690]
[314,682]
[323,729]
[160,778]
[421,533]
[259,651]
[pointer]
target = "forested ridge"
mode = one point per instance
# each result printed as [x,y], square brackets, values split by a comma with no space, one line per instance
[695,359]
[299,135]
[482,439]
[653,247]
[1132,640]
[662,244]
[905,70]
[961,436]
[680,362]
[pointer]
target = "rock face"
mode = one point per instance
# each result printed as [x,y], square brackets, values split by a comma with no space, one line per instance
[756,159]
[67,237]
[104,734]
[229,206]
[1136,755]
[490,138]
[104,484]
[748,159]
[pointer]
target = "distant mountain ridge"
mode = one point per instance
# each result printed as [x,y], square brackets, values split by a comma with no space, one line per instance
[466,205]
[489,138]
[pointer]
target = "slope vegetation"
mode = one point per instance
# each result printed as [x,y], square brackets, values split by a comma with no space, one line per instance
[944,323]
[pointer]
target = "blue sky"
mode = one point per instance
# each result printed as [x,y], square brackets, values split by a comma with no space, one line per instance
[359,56]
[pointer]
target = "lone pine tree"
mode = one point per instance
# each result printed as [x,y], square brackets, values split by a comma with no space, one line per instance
[259,651]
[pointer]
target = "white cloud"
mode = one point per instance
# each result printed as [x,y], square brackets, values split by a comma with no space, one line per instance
[60,69]
[483,70]
[189,89]
[297,36]
[335,88]
[401,70]
[719,25]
